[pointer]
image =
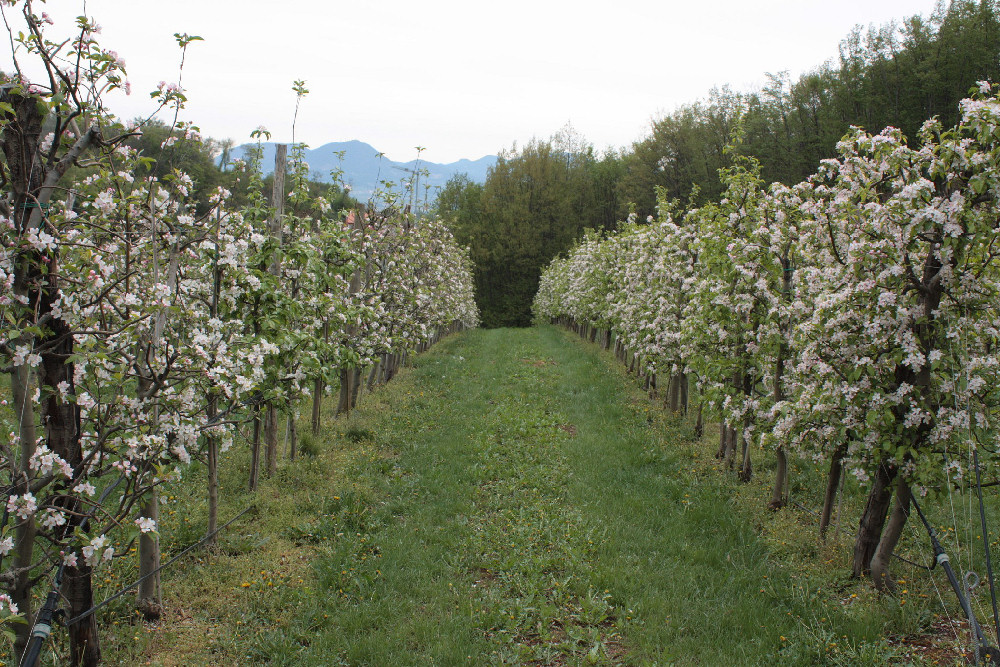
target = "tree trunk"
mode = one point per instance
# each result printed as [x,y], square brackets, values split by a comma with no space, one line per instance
[84,645]
[19,137]
[890,538]
[723,441]
[31,185]
[317,407]
[213,490]
[744,381]
[149,599]
[271,438]
[293,437]
[255,451]
[746,467]
[355,387]
[62,421]
[20,589]
[730,455]
[212,412]
[872,520]
[344,404]
[832,484]
[699,424]
[780,475]
[62,426]
[675,393]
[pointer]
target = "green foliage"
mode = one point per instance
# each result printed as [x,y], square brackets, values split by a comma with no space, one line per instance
[897,74]
[169,148]
[535,203]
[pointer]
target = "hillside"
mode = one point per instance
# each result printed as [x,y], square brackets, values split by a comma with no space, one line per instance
[363,167]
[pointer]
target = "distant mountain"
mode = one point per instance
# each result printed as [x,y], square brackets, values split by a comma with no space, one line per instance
[363,169]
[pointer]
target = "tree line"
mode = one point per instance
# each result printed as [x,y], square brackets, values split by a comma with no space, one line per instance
[541,197]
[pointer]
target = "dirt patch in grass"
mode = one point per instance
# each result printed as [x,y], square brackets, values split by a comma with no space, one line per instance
[560,647]
[943,643]
[569,428]
[484,578]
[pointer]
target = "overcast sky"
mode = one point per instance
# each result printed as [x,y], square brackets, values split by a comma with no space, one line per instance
[460,77]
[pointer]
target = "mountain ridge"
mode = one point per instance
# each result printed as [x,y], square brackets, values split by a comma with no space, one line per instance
[364,168]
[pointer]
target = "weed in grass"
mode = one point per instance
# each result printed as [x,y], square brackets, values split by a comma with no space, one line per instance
[308,445]
[357,434]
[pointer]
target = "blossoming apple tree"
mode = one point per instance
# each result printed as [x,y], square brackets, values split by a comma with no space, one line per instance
[859,310]
[141,329]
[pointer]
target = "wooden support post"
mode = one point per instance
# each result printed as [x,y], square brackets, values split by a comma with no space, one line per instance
[276,231]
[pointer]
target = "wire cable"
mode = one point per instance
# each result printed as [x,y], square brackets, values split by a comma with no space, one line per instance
[92,610]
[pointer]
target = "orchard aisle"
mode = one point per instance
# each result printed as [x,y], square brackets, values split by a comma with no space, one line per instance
[527,512]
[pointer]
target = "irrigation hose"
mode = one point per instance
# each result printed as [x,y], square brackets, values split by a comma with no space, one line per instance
[42,628]
[984,650]
[986,544]
[43,624]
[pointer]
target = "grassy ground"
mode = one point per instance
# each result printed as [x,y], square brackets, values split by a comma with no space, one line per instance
[511,499]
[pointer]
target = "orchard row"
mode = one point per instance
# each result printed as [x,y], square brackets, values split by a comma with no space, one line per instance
[143,329]
[852,319]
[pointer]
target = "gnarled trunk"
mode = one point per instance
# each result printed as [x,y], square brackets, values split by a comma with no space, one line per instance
[62,434]
[873,519]
[890,538]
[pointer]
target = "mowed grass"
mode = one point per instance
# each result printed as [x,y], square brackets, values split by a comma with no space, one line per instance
[510,499]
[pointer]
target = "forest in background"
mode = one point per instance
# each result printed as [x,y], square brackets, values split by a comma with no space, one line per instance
[541,197]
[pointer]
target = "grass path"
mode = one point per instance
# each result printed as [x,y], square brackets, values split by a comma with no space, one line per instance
[510,499]
[522,510]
